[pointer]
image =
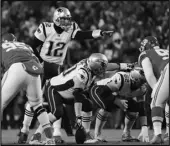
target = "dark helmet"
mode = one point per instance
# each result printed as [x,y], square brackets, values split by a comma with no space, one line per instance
[148,43]
[8,37]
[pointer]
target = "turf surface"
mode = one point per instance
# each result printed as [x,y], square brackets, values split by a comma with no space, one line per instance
[112,136]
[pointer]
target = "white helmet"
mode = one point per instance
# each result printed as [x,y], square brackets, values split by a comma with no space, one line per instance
[97,63]
[62,18]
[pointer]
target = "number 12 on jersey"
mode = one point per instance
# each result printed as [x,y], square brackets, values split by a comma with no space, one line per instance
[55,49]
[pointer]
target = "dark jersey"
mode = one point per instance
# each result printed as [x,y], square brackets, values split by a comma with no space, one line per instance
[13,52]
[158,57]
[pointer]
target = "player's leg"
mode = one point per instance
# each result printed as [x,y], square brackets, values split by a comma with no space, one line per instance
[28,116]
[160,95]
[34,95]
[87,107]
[101,119]
[11,84]
[130,118]
[55,101]
[166,136]
[102,114]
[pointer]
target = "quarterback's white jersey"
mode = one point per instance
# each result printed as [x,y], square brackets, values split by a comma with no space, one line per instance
[55,45]
[81,72]
[120,80]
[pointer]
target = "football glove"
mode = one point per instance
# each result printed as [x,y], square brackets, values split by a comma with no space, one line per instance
[107,33]
[78,122]
[126,66]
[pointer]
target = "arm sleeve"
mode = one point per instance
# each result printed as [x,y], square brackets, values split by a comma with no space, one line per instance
[81,35]
[35,44]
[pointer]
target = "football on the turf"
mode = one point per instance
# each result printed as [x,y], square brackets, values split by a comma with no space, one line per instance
[80,135]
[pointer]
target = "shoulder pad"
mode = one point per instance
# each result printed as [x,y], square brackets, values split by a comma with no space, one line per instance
[83,75]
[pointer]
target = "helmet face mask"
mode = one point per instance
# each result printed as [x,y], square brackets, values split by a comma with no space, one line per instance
[62,18]
[97,63]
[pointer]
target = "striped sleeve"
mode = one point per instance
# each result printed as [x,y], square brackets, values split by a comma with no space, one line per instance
[40,33]
[75,29]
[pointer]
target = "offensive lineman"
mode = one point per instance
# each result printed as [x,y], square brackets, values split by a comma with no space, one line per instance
[53,39]
[22,71]
[155,63]
[69,87]
[105,94]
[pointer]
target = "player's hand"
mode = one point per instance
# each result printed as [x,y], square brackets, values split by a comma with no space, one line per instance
[107,33]
[143,136]
[123,104]
[126,66]
[78,122]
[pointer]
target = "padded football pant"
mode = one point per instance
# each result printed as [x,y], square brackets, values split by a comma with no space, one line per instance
[160,92]
[15,79]
[56,101]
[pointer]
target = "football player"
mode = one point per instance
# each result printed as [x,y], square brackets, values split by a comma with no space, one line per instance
[155,63]
[22,71]
[105,94]
[70,87]
[52,40]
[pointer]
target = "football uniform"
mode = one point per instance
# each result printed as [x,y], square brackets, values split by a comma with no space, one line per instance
[54,51]
[105,90]
[55,45]
[159,59]
[22,70]
[58,89]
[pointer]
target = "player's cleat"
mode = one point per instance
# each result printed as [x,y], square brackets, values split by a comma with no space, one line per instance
[50,142]
[22,137]
[90,138]
[157,139]
[100,138]
[35,139]
[126,137]
[166,137]
[58,139]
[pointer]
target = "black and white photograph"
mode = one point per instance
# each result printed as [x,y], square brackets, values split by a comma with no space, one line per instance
[84,72]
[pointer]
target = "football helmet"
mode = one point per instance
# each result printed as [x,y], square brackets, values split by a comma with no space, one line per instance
[62,18]
[97,63]
[8,37]
[137,77]
[148,43]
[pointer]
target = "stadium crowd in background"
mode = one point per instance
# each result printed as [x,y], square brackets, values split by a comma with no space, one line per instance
[131,21]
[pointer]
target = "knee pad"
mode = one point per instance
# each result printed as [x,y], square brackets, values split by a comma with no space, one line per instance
[87,105]
[59,111]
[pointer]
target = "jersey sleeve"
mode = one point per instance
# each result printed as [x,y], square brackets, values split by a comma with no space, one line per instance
[82,78]
[40,33]
[75,29]
[142,56]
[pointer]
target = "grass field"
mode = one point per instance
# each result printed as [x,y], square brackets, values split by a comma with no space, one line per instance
[112,136]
